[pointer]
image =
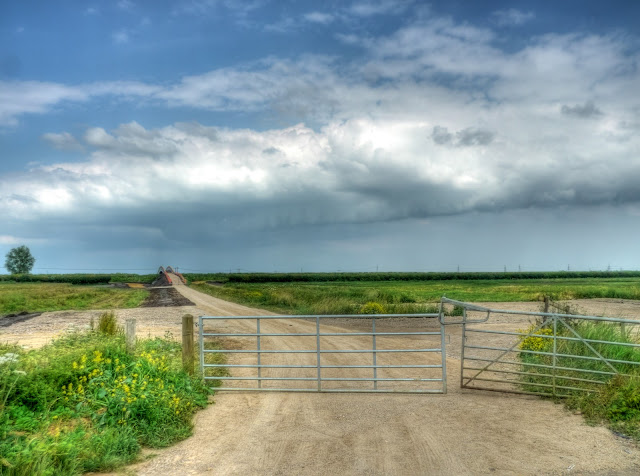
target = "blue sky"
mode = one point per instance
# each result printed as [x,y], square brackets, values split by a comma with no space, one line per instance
[262,135]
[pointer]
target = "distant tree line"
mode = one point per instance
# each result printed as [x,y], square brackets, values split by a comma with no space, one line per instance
[58,278]
[419,276]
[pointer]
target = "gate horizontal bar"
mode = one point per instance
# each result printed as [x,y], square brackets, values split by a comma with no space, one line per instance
[365,351]
[517,392]
[591,341]
[563,356]
[475,307]
[253,366]
[531,384]
[533,374]
[326,334]
[527,364]
[324,316]
[331,390]
[331,379]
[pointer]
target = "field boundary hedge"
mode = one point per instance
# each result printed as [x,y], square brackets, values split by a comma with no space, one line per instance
[420,276]
[57,278]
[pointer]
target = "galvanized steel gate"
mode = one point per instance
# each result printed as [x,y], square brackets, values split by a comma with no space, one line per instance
[262,354]
[548,354]
[552,354]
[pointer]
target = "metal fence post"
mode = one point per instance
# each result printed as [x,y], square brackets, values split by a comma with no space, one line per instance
[318,351]
[201,339]
[259,354]
[555,352]
[443,352]
[464,338]
[375,364]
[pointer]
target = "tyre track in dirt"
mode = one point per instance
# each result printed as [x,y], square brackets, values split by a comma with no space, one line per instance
[459,433]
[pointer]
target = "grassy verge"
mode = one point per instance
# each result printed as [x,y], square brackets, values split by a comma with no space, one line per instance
[412,296]
[83,404]
[37,297]
[318,298]
[605,398]
[132,278]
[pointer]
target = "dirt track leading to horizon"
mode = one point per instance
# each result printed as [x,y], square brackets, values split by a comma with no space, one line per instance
[462,432]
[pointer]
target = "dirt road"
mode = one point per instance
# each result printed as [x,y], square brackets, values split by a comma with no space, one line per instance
[458,433]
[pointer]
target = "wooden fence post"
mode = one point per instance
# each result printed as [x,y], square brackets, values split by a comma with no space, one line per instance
[130,335]
[546,304]
[187,343]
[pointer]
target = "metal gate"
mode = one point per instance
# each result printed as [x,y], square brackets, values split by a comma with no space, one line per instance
[333,353]
[544,353]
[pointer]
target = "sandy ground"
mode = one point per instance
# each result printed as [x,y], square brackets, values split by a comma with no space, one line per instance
[462,432]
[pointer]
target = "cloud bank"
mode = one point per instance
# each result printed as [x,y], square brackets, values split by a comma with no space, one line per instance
[433,119]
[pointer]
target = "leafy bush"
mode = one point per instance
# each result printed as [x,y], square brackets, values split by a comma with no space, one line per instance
[108,324]
[83,404]
[372,308]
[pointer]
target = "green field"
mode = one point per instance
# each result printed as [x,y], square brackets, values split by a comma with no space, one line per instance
[413,296]
[39,297]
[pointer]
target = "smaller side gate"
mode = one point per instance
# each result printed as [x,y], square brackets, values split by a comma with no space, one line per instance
[541,353]
[328,353]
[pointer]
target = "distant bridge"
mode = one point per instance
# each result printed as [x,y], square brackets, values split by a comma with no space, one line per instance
[164,274]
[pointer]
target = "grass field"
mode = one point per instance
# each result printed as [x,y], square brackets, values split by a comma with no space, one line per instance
[413,296]
[39,297]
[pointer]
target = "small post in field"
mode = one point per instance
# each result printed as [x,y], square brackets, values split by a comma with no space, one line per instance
[187,343]
[546,304]
[130,335]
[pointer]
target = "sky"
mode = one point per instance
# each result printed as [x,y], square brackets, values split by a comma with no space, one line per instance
[353,135]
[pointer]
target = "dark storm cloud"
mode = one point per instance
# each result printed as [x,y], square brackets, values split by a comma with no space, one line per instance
[582,111]
[441,135]
[463,138]
[471,136]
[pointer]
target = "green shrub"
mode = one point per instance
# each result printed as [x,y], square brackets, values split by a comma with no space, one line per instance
[84,404]
[108,324]
[372,307]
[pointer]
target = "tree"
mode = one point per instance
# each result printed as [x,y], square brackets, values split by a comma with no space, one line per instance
[19,260]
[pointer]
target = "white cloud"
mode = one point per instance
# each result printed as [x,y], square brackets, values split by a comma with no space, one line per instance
[284,25]
[319,17]
[120,37]
[9,240]
[92,11]
[125,5]
[512,16]
[205,7]
[62,141]
[364,169]
[390,139]
[20,97]
[378,7]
